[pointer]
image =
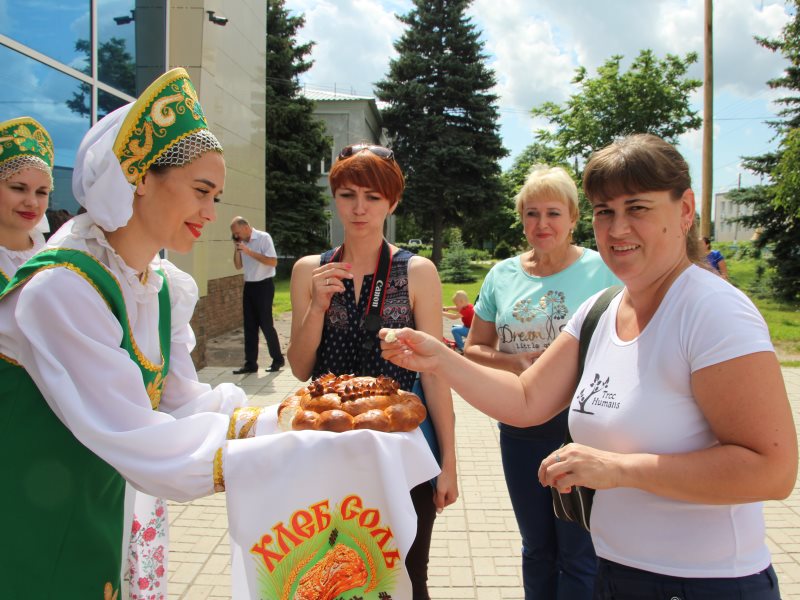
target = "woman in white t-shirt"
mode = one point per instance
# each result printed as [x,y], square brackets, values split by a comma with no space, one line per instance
[681,419]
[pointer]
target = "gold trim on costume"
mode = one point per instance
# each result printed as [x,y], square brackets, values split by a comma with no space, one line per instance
[166,112]
[154,390]
[8,359]
[109,593]
[25,136]
[251,414]
[246,416]
[219,478]
[232,423]
[145,362]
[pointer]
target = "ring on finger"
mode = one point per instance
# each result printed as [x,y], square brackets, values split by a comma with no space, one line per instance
[558,458]
[326,281]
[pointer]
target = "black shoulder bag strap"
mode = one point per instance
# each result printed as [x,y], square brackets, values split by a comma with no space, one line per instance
[587,330]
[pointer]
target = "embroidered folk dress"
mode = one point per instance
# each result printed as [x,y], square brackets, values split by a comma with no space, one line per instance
[82,416]
[11,260]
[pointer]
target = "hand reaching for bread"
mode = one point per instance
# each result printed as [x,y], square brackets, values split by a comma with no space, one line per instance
[344,403]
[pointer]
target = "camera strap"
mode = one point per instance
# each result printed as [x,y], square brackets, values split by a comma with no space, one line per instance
[377,294]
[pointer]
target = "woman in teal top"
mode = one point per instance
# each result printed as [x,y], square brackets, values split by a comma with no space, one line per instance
[524,303]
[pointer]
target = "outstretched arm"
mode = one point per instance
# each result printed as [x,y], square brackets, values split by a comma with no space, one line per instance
[534,397]
[481,347]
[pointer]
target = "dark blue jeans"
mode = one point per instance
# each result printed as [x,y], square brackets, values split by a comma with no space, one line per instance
[618,582]
[558,560]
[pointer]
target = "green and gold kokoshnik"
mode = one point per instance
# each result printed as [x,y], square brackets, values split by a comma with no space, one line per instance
[167,112]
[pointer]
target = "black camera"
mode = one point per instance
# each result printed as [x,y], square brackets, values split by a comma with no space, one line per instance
[234,237]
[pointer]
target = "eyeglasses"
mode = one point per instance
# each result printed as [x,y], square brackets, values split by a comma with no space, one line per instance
[349,151]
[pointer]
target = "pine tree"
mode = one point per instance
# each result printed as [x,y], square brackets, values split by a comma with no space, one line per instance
[456,263]
[776,206]
[442,118]
[295,142]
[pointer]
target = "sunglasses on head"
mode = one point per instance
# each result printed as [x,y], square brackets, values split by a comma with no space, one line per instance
[349,151]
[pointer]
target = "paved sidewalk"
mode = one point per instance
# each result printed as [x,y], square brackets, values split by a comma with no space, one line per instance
[475,553]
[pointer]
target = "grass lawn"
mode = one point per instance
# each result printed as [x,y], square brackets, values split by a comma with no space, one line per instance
[281,303]
[783,320]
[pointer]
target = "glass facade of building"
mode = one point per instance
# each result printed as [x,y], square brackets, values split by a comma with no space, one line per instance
[68,64]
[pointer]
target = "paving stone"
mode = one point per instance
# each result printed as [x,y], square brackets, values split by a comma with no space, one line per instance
[475,553]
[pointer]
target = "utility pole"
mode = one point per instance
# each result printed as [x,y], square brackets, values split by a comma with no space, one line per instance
[708,125]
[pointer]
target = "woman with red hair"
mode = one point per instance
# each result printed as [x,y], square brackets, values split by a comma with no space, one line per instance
[334,331]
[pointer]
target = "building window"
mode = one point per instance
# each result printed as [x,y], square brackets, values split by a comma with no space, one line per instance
[46,63]
[52,27]
[52,102]
[327,162]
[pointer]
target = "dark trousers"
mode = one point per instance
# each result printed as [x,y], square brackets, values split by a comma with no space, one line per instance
[417,558]
[618,582]
[558,559]
[257,308]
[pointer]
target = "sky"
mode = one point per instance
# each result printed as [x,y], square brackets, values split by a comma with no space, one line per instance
[534,47]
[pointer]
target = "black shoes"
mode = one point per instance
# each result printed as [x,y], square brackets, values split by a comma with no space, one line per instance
[276,365]
[244,370]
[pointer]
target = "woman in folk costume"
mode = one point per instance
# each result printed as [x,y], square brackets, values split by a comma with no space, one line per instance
[26,180]
[97,383]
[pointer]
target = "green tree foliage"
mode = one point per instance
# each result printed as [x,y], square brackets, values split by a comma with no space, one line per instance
[779,229]
[456,264]
[514,178]
[116,67]
[776,206]
[442,118]
[652,96]
[295,142]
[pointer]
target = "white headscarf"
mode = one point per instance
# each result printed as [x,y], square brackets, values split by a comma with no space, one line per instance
[98,182]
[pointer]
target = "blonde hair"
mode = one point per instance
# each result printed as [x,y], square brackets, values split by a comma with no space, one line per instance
[553,182]
[460,295]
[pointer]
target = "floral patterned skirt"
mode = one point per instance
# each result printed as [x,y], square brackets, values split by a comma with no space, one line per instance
[146,571]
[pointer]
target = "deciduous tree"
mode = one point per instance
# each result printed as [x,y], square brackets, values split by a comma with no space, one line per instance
[652,96]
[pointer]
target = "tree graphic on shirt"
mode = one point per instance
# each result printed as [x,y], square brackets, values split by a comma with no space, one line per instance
[551,306]
[586,394]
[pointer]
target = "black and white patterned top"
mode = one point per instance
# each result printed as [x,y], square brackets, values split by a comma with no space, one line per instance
[343,335]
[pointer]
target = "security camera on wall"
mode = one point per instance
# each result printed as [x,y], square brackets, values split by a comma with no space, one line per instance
[217,19]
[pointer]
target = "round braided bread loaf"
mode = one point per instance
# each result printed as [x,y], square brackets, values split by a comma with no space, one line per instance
[345,402]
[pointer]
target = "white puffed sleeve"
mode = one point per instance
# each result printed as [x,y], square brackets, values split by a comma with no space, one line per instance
[183,394]
[69,344]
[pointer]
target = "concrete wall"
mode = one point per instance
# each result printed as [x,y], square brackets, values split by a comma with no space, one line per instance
[724,230]
[349,122]
[228,66]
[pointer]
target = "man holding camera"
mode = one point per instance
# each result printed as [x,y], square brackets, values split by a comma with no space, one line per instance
[256,253]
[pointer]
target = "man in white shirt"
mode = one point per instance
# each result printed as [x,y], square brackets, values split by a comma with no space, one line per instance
[256,253]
